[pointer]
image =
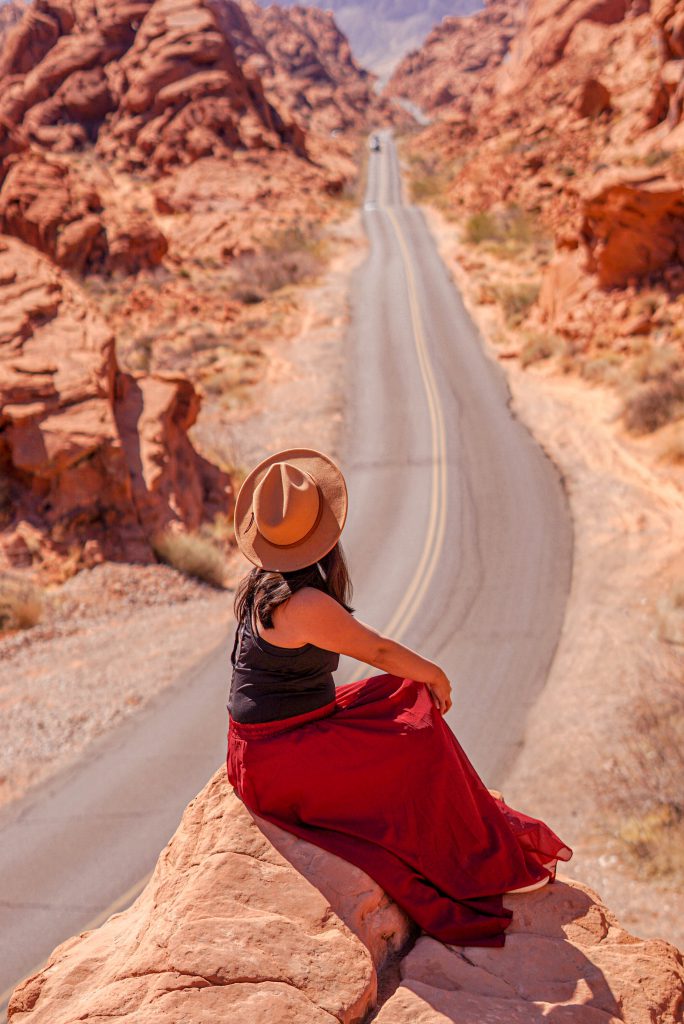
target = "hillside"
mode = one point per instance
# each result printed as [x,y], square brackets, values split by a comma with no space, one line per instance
[381,33]
[149,150]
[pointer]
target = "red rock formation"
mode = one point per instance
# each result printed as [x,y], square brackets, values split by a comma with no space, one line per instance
[44,203]
[90,453]
[155,82]
[243,922]
[10,13]
[575,94]
[305,63]
[458,57]
[633,226]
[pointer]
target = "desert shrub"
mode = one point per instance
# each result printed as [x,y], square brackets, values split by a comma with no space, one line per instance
[538,347]
[516,300]
[426,187]
[511,226]
[606,368]
[481,227]
[642,788]
[21,602]
[288,257]
[656,156]
[672,450]
[192,554]
[655,361]
[654,404]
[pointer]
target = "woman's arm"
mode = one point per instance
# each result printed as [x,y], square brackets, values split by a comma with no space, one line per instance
[310,616]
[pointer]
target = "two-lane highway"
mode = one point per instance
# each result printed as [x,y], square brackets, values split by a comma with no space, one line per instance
[459,534]
[460,545]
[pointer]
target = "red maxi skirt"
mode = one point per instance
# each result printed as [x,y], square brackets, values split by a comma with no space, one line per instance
[378,778]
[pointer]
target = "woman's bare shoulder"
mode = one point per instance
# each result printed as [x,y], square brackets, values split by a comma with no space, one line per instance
[309,599]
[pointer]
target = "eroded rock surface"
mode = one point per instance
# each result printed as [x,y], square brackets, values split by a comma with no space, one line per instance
[227,929]
[243,922]
[566,958]
[91,456]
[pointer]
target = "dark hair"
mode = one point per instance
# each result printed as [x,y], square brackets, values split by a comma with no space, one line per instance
[264,589]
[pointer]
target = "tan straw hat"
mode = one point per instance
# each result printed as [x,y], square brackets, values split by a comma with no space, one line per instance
[291,510]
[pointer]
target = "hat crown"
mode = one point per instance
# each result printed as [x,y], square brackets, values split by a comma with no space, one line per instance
[286,504]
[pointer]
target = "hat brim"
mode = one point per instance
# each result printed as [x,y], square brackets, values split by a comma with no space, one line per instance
[333,493]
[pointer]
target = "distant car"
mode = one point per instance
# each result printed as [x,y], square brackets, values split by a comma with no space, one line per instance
[375,143]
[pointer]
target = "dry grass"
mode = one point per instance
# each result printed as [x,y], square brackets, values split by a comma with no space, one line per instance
[516,300]
[288,257]
[21,603]
[511,228]
[643,790]
[429,181]
[538,347]
[193,554]
[606,368]
[655,403]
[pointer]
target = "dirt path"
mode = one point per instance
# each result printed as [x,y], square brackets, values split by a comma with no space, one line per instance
[629,539]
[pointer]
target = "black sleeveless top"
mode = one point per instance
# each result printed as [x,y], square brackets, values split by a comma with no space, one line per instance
[271,682]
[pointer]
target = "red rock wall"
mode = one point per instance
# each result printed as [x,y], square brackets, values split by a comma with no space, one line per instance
[93,457]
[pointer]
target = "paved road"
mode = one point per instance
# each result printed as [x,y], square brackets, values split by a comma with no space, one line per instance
[460,545]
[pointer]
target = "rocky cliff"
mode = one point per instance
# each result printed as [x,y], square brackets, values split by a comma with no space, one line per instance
[91,457]
[139,140]
[242,921]
[381,33]
[458,58]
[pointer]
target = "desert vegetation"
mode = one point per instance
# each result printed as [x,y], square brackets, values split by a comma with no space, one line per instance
[194,554]
[641,790]
[21,602]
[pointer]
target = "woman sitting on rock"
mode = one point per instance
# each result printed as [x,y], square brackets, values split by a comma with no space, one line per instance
[369,770]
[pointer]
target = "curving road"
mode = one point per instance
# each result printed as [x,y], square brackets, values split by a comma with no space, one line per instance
[460,545]
[459,533]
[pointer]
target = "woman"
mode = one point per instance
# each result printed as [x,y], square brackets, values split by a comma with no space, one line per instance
[369,771]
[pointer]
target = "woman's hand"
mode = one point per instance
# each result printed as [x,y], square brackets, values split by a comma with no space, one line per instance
[440,691]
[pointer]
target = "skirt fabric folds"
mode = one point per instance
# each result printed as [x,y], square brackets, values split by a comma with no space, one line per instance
[378,778]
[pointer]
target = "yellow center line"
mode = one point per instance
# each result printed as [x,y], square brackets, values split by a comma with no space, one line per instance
[436,525]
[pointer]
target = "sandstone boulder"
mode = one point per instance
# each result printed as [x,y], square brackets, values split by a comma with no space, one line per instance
[232,926]
[633,225]
[89,453]
[593,98]
[43,204]
[243,922]
[566,958]
[47,204]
